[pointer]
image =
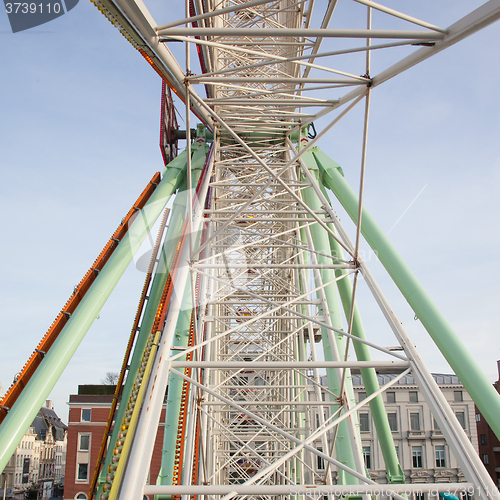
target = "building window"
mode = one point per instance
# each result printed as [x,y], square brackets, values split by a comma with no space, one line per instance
[86,413]
[83,472]
[478,417]
[367,456]
[440,462]
[393,421]
[461,418]
[364,422]
[486,460]
[319,460]
[84,444]
[414,421]
[419,496]
[436,425]
[416,455]
[483,439]
[413,397]
[391,397]
[81,496]
[361,396]
[458,396]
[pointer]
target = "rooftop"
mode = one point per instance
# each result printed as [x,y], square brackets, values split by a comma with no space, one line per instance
[440,378]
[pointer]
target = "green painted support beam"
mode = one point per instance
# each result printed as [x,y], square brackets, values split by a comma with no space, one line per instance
[38,388]
[394,472]
[181,340]
[448,342]
[177,217]
[321,243]
[174,397]
[166,255]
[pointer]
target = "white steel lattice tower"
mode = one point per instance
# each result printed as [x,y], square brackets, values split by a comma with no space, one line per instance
[249,323]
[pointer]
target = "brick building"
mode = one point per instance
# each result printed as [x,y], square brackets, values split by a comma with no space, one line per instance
[88,414]
[489,445]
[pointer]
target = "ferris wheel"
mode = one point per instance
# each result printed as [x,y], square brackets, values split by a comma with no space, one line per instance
[250,316]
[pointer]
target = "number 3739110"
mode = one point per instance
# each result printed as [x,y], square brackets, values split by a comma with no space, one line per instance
[32,8]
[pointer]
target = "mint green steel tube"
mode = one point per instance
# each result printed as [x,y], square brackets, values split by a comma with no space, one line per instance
[321,243]
[394,472]
[172,236]
[174,397]
[457,355]
[171,239]
[181,339]
[38,388]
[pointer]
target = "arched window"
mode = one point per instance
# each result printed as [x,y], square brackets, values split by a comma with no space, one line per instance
[81,496]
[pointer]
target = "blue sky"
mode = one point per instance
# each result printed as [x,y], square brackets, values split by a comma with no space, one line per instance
[79,133]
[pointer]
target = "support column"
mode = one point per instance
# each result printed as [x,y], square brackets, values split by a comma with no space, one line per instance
[395,474]
[137,466]
[167,253]
[181,337]
[344,442]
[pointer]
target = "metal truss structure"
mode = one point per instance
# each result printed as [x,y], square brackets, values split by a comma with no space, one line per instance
[250,301]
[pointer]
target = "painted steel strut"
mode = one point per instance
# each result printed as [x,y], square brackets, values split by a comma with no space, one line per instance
[133,333]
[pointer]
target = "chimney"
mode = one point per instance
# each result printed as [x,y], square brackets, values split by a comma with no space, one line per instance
[49,405]
[498,366]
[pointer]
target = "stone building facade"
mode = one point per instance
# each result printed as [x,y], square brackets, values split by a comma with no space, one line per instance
[420,445]
[423,453]
[40,458]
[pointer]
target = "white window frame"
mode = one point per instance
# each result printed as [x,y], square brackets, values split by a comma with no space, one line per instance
[90,415]
[78,479]
[396,429]
[462,410]
[80,435]
[441,458]
[421,457]
[367,452]
[367,420]
[420,422]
